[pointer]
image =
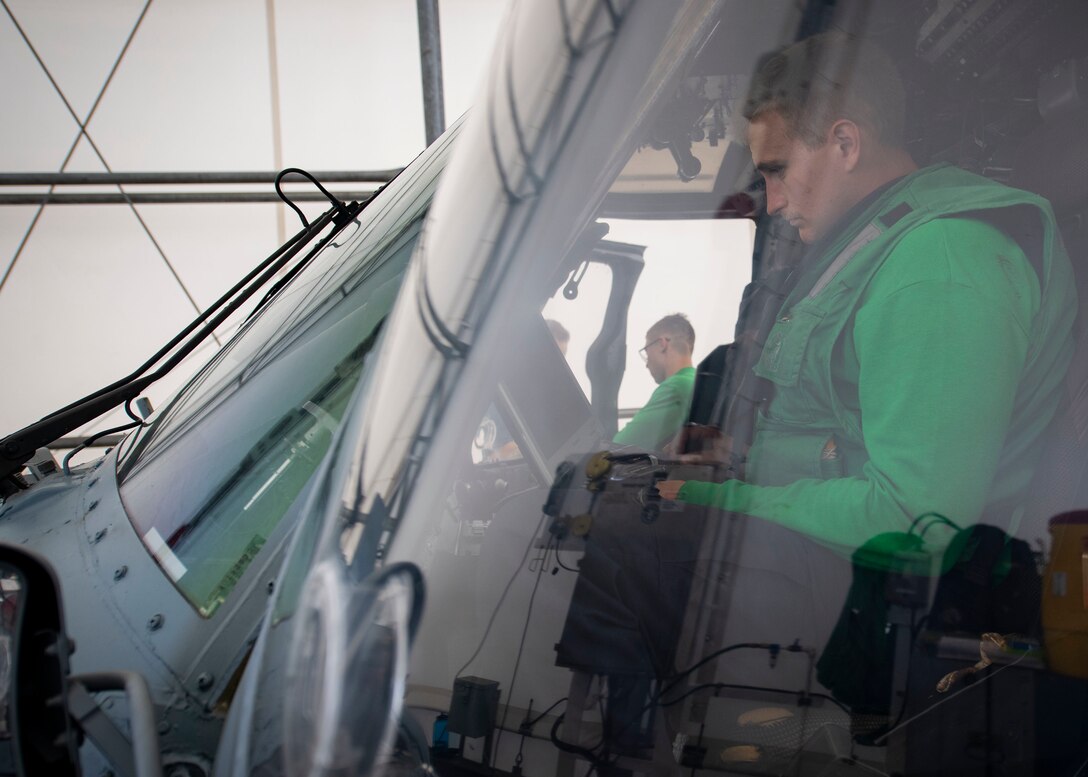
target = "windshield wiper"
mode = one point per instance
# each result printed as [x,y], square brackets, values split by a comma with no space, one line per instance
[18,448]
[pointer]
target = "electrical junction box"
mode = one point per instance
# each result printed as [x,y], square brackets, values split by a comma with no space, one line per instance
[474,706]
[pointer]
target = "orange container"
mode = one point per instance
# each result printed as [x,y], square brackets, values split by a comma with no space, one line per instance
[1065,595]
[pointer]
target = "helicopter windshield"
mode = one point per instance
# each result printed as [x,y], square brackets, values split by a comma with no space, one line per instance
[209,483]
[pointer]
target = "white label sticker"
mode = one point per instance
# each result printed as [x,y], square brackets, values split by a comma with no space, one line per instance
[162,553]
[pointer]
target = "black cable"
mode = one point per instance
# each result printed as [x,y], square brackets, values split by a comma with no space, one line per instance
[655,698]
[525,730]
[295,208]
[937,518]
[945,522]
[517,661]
[340,206]
[559,561]
[502,598]
[587,752]
[92,439]
[276,288]
[765,689]
[131,414]
[567,747]
[530,723]
[699,742]
[720,652]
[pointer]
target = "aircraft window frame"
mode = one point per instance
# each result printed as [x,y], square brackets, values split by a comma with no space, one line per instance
[362,271]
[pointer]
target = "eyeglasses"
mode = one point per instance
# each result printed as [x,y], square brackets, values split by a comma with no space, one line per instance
[651,344]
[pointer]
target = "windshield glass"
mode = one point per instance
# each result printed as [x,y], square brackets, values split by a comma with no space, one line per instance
[208,484]
[732,425]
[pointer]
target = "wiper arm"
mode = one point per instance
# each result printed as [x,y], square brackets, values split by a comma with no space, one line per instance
[18,448]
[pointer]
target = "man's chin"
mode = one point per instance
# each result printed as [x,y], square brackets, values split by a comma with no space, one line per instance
[804,231]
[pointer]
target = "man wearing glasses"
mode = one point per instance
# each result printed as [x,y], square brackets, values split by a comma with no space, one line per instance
[667,355]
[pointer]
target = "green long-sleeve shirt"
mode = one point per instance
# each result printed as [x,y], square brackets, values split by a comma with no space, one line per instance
[932,360]
[661,418]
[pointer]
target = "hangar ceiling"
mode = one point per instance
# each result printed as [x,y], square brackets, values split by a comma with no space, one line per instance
[191,105]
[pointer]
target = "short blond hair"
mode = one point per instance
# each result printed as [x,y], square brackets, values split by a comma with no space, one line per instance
[828,77]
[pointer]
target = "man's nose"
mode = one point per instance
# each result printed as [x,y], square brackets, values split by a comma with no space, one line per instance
[775,199]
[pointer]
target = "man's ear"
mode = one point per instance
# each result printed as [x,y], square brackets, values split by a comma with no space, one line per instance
[846,137]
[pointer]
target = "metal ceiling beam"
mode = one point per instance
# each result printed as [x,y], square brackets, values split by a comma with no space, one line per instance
[164,178]
[430,65]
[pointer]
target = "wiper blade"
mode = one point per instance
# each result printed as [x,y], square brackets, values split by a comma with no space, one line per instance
[18,448]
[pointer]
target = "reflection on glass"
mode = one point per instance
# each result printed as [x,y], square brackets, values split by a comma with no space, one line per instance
[209,485]
[207,555]
[850,562]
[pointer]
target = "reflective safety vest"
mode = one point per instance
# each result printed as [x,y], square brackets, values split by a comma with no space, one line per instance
[916,364]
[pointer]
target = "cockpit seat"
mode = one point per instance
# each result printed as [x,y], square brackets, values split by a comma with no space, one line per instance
[1051,162]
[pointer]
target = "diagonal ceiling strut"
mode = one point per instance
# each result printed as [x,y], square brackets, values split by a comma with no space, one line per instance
[84,134]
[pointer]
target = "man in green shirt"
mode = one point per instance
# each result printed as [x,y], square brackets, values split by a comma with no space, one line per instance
[667,355]
[919,358]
